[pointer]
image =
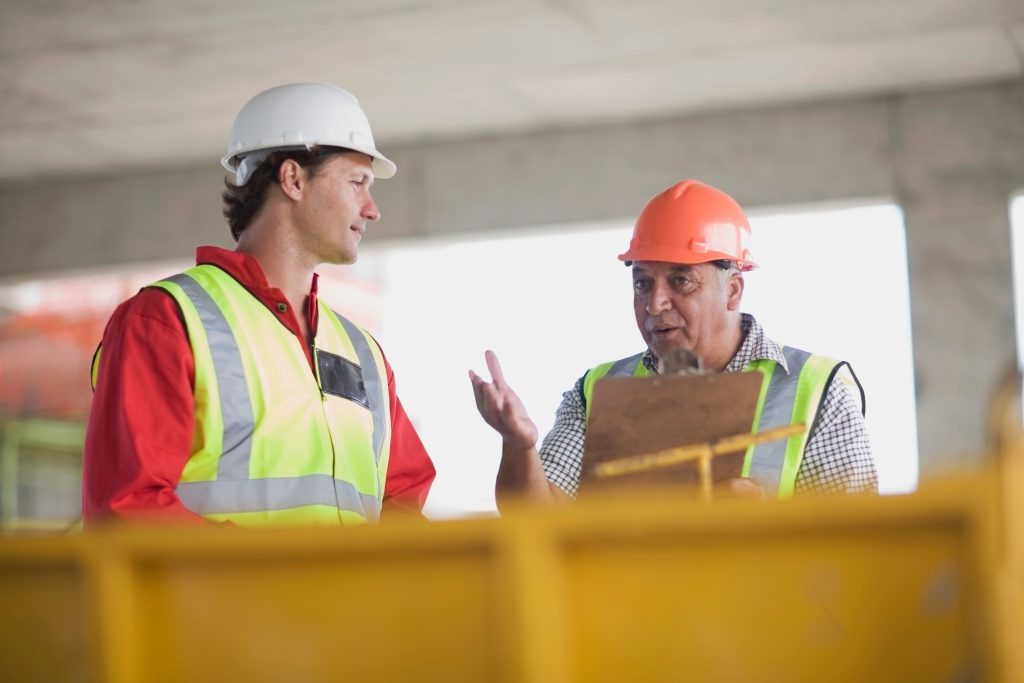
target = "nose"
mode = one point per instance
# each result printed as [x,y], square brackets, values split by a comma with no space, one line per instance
[370,210]
[659,298]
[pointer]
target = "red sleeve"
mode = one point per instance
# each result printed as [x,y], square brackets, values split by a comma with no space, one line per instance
[140,426]
[410,470]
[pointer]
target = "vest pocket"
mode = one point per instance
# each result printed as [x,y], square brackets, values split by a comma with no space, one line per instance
[341,377]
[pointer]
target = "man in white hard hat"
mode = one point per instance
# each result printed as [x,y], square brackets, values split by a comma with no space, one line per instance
[689,251]
[230,392]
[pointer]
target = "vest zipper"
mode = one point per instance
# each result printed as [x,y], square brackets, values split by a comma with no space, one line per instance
[314,352]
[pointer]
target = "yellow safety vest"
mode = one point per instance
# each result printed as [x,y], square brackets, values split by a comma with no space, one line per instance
[793,397]
[274,443]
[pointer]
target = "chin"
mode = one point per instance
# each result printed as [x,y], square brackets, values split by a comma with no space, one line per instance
[662,350]
[345,258]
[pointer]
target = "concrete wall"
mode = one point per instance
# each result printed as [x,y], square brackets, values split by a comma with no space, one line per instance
[950,158]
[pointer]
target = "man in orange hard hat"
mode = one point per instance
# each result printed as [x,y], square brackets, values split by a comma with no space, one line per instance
[689,251]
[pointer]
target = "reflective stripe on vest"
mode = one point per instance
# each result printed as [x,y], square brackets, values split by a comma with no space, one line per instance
[235,404]
[372,382]
[258,495]
[270,444]
[786,398]
[625,367]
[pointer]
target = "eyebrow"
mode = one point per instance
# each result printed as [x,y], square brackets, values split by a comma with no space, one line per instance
[364,175]
[676,268]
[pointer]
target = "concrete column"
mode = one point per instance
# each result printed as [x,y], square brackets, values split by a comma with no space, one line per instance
[956,162]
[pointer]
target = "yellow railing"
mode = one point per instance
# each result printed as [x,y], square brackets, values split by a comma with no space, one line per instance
[636,586]
[640,588]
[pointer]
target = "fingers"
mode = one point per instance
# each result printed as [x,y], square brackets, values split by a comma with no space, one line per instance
[480,388]
[484,392]
[495,368]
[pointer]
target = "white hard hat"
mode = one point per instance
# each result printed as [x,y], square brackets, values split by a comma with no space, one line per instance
[300,115]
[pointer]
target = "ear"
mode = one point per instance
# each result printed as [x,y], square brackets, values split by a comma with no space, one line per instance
[292,179]
[735,291]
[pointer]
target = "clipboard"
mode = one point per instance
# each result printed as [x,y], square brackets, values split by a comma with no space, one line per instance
[634,416]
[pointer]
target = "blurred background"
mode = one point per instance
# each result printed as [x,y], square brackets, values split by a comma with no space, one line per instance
[878,146]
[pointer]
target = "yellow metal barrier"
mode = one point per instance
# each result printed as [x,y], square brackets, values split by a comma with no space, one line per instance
[640,587]
[644,588]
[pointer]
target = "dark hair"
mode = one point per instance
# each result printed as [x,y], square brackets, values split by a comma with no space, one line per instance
[241,203]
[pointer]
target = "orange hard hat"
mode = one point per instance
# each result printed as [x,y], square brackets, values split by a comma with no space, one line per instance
[691,222]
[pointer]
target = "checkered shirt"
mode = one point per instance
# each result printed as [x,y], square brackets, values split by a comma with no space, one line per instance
[837,457]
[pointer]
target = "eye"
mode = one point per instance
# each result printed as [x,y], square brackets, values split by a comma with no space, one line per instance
[641,286]
[682,282]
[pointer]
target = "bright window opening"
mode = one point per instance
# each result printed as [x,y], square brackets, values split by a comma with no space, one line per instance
[1017,239]
[836,283]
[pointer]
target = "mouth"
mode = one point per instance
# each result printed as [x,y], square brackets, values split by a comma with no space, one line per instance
[664,332]
[358,229]
[659,329]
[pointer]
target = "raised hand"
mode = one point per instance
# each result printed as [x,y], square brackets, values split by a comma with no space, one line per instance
[501,408]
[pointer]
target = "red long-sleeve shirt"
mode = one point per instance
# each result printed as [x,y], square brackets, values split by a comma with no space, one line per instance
[141,423]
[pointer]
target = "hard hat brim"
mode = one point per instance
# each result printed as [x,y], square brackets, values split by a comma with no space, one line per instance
[383,168]
[671,255]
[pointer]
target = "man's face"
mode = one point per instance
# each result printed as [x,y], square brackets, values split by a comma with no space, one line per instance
[336,207]
[686,306]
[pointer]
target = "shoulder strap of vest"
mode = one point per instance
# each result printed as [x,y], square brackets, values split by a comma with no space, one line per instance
[208,328]
[828,383]
[788,396]
[814,375]
[624,367]
[767,368]
[94,365]
[856,382]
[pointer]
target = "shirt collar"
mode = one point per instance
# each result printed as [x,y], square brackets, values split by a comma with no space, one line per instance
[243,267]
[249,273]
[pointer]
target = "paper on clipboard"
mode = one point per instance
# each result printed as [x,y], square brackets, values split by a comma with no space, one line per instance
[632,416]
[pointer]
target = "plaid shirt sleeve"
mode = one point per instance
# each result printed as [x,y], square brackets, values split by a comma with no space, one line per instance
[562,450]
[837,458]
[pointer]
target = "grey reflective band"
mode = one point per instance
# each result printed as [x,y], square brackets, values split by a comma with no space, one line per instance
[766,466]
[624,367]
[372,381]
[276,493]
[374,394]
[235,404]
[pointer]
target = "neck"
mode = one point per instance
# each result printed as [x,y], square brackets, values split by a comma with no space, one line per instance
[283,266]
[732,339]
